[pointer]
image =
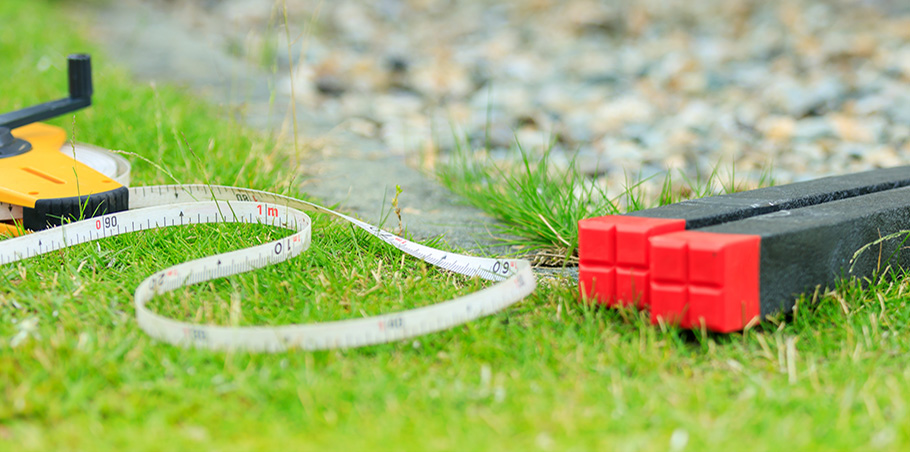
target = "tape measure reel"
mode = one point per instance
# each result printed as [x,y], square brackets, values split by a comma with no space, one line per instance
[42,185]
[45,181]
[101,160]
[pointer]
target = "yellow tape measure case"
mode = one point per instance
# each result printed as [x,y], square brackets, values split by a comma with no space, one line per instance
[50,186]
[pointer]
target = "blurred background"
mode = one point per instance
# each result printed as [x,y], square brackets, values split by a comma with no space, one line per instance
[795,89]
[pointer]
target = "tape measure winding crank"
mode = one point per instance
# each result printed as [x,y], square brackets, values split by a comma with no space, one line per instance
[103,197]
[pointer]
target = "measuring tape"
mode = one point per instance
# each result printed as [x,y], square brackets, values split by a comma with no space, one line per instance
[176,205]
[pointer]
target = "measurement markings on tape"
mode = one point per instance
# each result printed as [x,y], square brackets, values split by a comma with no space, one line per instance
[175,205]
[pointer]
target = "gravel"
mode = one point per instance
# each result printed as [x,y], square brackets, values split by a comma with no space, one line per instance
[803,88]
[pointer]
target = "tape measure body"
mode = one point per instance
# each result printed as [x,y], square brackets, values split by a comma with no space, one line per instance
[111,165]
[175,205]
[46,184]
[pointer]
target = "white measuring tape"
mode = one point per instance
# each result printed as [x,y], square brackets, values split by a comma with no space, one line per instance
[174,205]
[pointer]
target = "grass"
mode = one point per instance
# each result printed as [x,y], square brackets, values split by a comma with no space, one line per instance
[539,205]
[548,374]
[538,209]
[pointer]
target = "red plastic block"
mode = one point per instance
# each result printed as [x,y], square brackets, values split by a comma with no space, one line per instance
[669,295]
[614,257]
[705,278]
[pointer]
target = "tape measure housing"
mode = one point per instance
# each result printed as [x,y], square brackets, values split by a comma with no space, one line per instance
[52,187]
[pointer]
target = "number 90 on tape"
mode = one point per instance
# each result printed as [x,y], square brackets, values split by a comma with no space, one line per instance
[106,222]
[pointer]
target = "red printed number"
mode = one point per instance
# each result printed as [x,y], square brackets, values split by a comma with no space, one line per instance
[269,211]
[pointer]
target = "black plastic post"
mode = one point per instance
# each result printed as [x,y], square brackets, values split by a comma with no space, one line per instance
[79,69]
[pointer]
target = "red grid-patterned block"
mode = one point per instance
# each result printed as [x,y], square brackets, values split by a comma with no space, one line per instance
[669,294]
[705,278]
[614,257]
[632,286]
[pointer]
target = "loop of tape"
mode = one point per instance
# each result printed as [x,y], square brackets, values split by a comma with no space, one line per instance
[175,205]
